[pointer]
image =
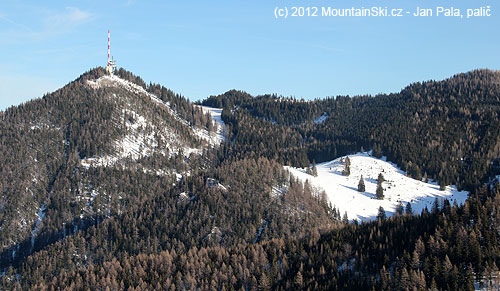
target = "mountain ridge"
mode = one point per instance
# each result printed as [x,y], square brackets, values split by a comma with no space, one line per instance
[100,190]
[99,130]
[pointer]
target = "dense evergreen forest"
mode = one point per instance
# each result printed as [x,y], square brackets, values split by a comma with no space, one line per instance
[448,129]
[190,216]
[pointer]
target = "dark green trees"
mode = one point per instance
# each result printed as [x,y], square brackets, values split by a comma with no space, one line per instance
[381,213]
[380,190]
[408,209]
[361,184]
[347,167]
[400,209]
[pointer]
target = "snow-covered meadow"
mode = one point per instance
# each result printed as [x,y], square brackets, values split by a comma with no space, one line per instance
[342,191]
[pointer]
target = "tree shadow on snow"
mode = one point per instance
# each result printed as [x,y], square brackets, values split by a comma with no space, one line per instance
[366,194]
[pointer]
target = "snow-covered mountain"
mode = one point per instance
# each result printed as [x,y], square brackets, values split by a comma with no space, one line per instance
[342,191]
[150,125]
[97,121]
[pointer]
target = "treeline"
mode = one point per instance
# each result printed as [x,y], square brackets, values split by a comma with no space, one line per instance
[446,130]
[231,217]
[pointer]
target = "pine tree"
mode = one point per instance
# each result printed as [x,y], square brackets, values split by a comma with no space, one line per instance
[404,280]
[415,260]
[435,206]
[347,167]
[361,185]
[413,171]
[381,213]
[314,169]
[385,278]
[298,282]
[442,185]
[377,151]
[345,218]
[380,178]
[400,209]
[408,209]
[433,285]
[380,192]
[264,283]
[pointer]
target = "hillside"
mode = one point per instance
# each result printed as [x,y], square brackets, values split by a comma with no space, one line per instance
[149,132]
[110,182]
[55,139]
[446,129]
[342,191]
[103,149]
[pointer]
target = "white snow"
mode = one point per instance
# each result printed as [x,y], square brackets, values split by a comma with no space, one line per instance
[263,226]
[217,137]
[39,217]
[137,143]
[278,191]
[141,139]
[41,125]
[213,183]
[486,283]
[117,82]
[183,196]
[342,191]
[215,232]
[321,119]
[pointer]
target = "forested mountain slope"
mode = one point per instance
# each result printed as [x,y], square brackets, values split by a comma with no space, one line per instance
[101,147]
[113,183]
[447,129]
[47,142]
[373,183]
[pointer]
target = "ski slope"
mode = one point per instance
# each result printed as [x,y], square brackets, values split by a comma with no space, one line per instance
[342,191]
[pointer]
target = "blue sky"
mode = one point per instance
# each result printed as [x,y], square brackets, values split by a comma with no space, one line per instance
[202,48]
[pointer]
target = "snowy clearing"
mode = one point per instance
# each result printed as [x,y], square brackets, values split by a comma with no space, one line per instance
[321,119]
[117,82]
[220,134]
[343,193]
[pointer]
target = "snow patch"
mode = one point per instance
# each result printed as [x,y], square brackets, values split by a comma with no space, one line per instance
[41,126]
[321,119]
[219,136]
[346,266]
[213,183]
[215,233]
[263,226]
[278,191]
[40,214]
[117,82]
[342,191]
[183,196]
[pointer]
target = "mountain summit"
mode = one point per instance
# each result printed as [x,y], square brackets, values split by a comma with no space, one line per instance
[105,147]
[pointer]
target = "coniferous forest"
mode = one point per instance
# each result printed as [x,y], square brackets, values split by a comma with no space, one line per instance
[83,208]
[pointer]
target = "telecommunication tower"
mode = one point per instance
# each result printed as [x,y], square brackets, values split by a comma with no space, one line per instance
[111,67]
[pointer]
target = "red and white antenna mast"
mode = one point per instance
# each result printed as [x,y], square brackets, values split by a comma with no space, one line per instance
[108,46]
[111,66]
